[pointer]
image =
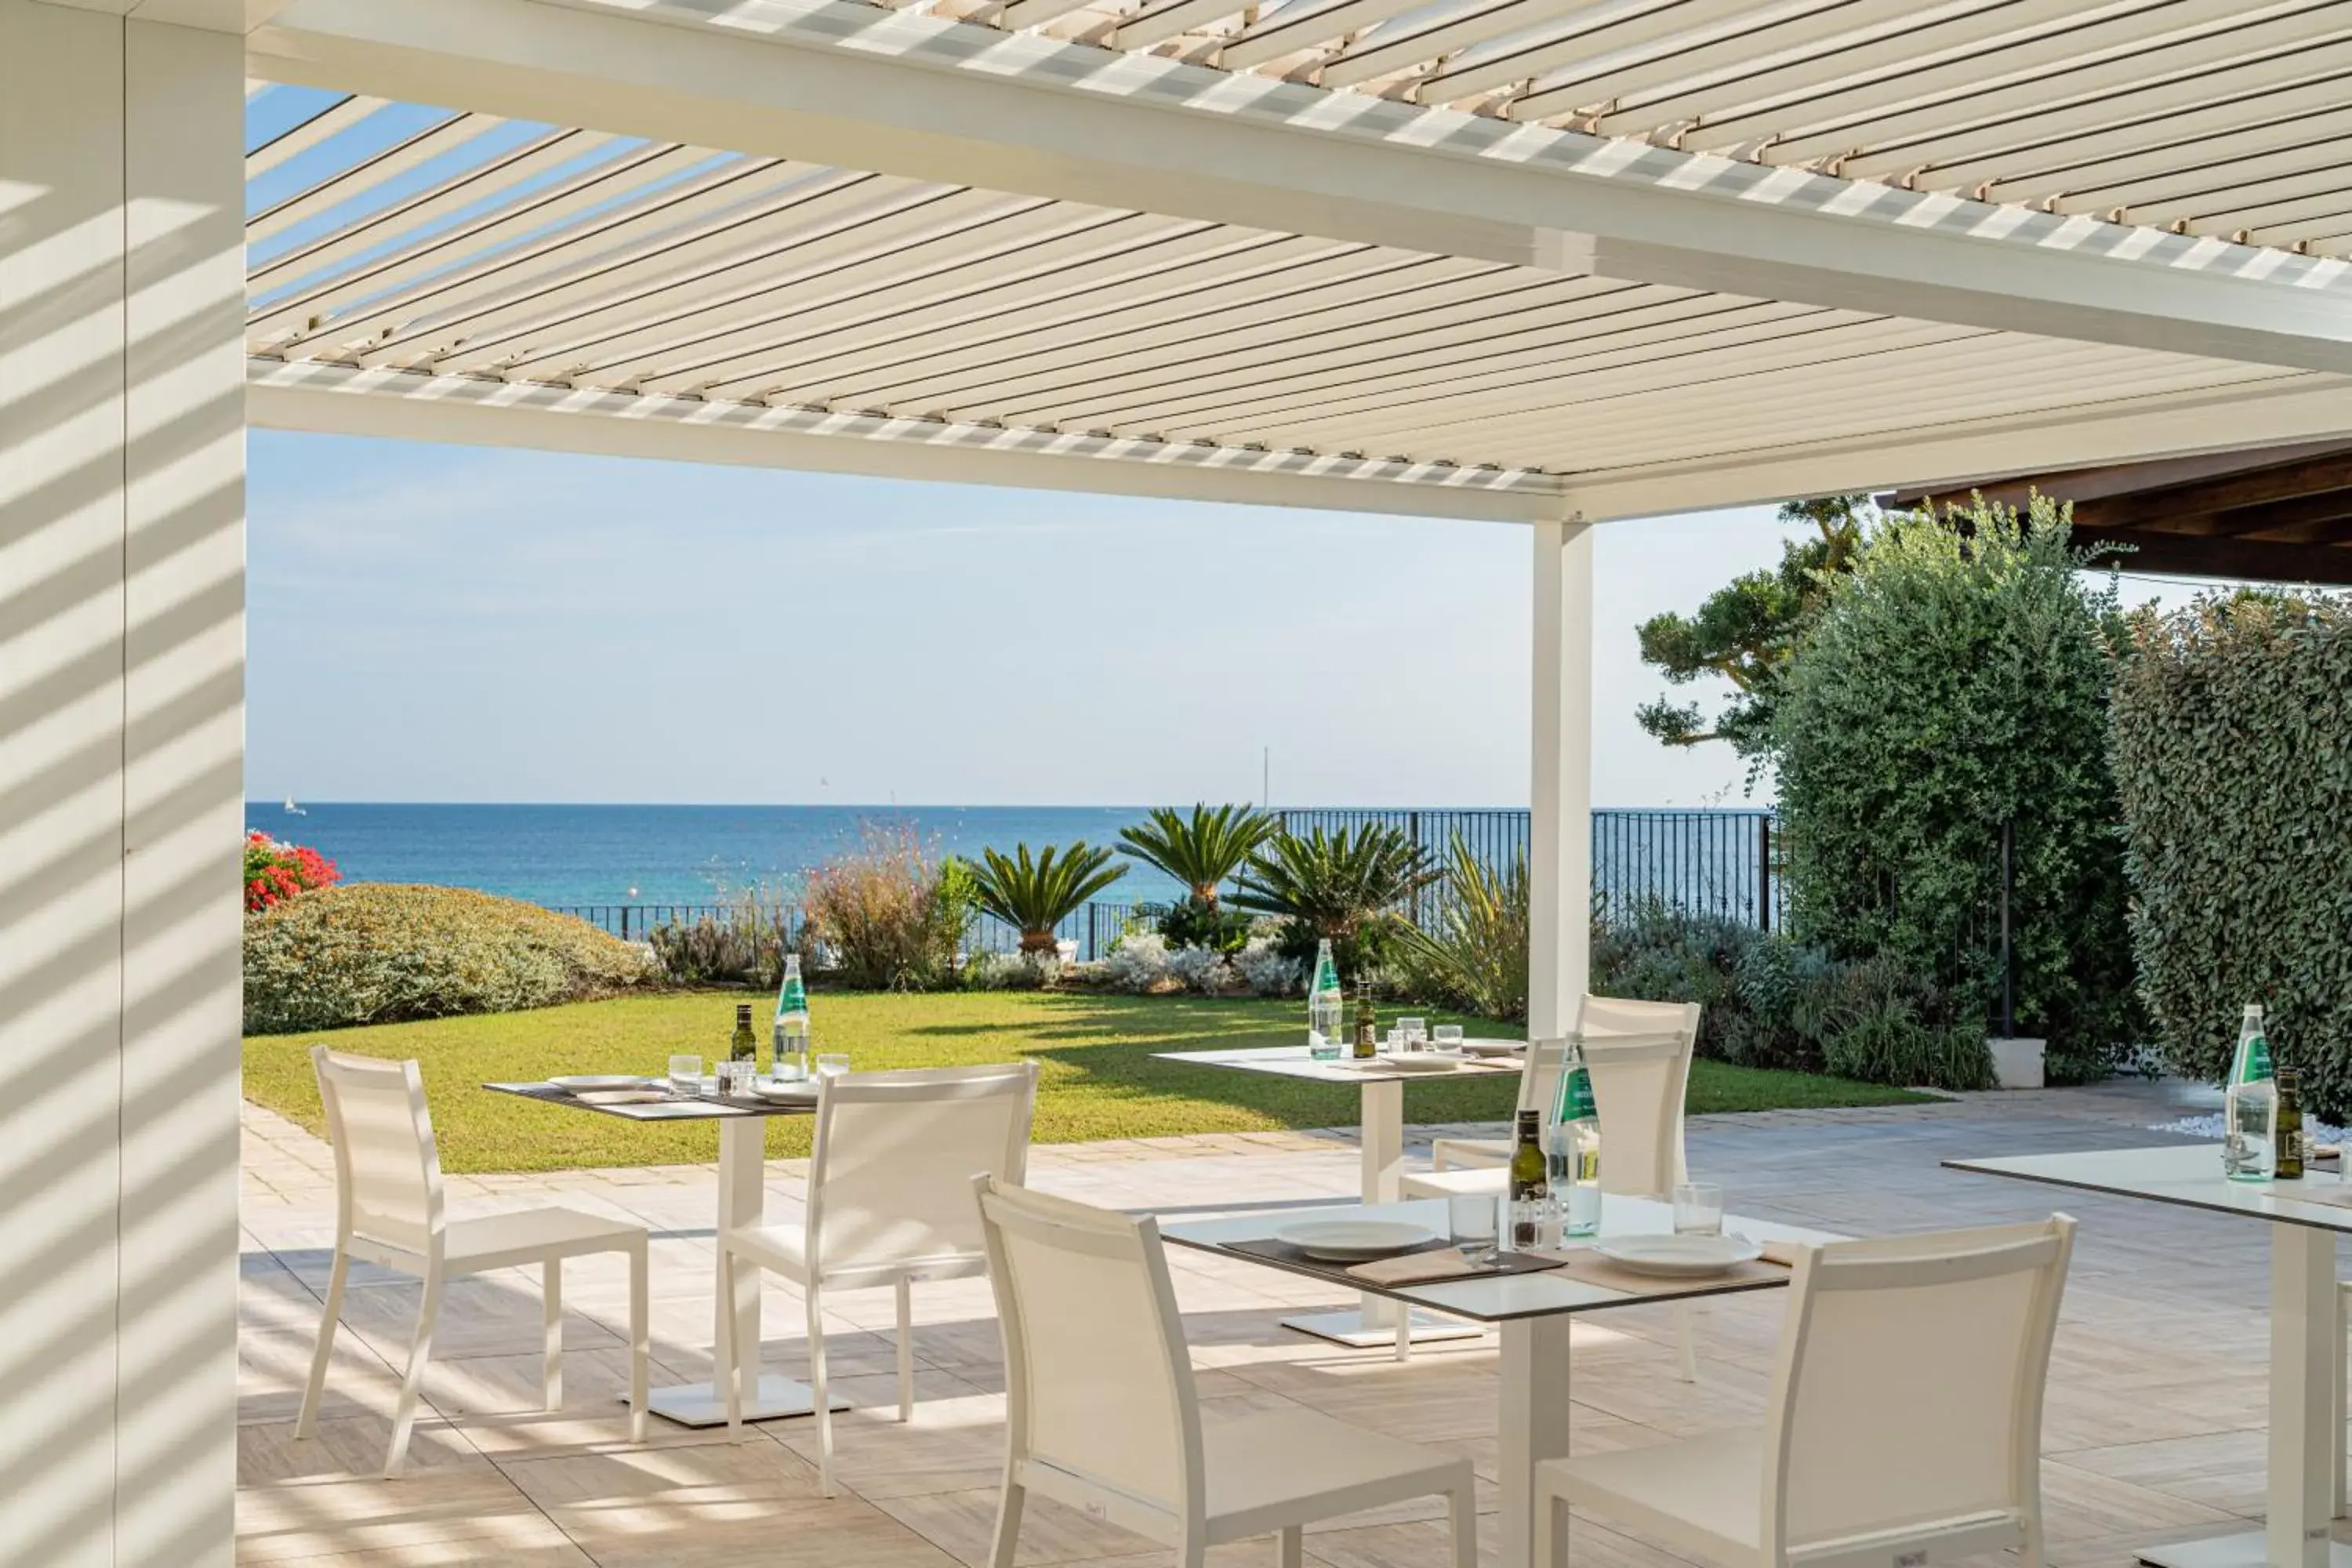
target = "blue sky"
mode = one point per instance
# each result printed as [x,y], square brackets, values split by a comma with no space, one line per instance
[443,622]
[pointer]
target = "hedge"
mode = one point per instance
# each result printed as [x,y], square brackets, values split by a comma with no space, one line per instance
[379,953]
[2231,740]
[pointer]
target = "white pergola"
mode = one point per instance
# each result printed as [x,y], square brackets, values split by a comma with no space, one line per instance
[1553,262]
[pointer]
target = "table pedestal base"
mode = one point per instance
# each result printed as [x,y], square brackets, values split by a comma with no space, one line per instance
[695,1403]
[2250,1549]
[1350,1328]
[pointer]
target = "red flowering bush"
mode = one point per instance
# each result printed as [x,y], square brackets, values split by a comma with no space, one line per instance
[275,871]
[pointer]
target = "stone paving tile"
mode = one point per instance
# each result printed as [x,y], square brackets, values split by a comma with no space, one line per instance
[2153,1427]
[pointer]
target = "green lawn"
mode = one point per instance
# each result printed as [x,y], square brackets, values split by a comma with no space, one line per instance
[1097,1078]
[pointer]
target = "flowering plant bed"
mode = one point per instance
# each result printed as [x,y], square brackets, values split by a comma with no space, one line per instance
[275,871]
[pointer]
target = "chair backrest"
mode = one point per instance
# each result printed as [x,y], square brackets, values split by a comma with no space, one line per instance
[1099,1384]
[1909,1387]
[387,1170]
[890,1176]
[1639,1055]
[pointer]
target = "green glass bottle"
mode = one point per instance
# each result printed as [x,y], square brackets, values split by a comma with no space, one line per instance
[791,1025]
[1527,1179]
[745,1045]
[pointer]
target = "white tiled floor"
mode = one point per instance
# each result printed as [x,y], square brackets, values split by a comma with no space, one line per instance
[2154,1425]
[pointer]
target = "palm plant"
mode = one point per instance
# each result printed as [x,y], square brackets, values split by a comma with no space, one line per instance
[1471,953]
[1199,851]
[1035,896]
[1344,887]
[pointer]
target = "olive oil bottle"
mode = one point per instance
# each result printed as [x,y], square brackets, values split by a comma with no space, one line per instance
[2290,1125]
[1527,1180]
[1368,1028]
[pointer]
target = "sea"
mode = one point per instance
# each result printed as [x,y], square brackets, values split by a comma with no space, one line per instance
[581,855]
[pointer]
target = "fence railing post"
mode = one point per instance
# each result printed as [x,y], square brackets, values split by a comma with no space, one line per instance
[1764,873]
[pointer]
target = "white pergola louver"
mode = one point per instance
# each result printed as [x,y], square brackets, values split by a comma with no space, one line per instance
[1149,260]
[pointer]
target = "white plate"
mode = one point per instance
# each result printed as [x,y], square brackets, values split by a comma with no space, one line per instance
[1678,1257]
[769,1088]
[620,1096]
[1493,1047]
[1419,1061]
[579,1081]
[1354,1240]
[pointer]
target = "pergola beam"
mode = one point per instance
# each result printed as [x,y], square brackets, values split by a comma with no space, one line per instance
[857,87]
[338,400]
[1954,456]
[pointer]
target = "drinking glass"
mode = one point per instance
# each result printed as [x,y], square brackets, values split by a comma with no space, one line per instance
[832,1063]
[1471,1221]
[685,1075]
[1415,1032]
[1447,1037]
[735,1075]
[1698,1208]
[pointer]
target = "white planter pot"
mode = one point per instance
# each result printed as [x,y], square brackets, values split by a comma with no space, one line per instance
[2017,1064]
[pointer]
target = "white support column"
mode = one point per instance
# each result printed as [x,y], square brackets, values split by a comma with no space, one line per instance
[1560,833]
[122,763]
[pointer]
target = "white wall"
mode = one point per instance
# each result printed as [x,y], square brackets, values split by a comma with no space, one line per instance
[121,739]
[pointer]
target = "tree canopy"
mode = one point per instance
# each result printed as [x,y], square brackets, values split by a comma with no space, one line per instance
[1746,631]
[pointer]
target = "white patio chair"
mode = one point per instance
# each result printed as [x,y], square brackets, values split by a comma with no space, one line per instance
[1101,1413]
[1540,1074]
[388,1212]
[1639,1057]
[1904,1423]
[888,1203]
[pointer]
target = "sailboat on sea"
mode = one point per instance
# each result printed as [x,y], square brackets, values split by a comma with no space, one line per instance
[293,810]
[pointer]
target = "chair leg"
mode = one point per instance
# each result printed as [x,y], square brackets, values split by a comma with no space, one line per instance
[404,1417]
[2028,1550]
[905,1349]
[551,1350]
[313,1391]
[641,1338]
[1687,1340]
[1462,1512]
[1008,1522]
[1293,1547]
[723,1373]
[1404,1332]
[821,1399]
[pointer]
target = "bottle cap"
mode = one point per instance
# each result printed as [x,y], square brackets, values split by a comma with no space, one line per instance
[2289,1078]
[742,1009]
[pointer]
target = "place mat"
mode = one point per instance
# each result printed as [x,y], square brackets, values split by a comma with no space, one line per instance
[1586,1267]
[1442,1265]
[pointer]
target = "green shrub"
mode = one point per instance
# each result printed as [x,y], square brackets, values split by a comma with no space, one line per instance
[1196,923]
[1958,680]
[2232,751]
[379,952]
[1772,1002]
[1471,953]
[747,948]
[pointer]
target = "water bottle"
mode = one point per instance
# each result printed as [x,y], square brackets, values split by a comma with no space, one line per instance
[2250,1106]
[792,1031]
[1575,1166]
[1327,1006]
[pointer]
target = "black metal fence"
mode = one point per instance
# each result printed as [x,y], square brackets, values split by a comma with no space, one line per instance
[1718,862]
[1711,861]
[1093,929]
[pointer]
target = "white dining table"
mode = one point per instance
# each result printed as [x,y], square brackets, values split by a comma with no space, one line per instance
[1380,1083]
[743,1199]
[2304,1219]
[1532,1312]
